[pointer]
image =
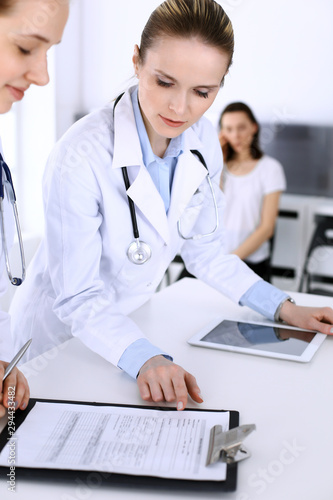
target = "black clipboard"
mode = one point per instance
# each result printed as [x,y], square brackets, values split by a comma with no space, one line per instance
[115,479]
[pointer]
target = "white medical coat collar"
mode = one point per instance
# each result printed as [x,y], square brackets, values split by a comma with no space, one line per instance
[127,152]
[127,148]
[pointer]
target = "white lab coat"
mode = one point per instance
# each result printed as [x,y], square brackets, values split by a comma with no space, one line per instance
[81,279]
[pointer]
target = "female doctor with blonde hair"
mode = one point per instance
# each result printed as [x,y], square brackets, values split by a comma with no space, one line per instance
[111,232]
[28,28]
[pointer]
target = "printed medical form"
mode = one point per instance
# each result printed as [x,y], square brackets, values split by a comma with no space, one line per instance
[123,440]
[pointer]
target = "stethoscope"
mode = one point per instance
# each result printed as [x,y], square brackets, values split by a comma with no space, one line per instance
[140,252]
[6,183]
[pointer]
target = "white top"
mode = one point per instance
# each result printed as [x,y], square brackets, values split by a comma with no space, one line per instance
[244,197]
[6,350]
[81,280]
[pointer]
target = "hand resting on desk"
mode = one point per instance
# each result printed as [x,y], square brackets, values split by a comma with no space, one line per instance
[319,319]
[160,379]
[15,379]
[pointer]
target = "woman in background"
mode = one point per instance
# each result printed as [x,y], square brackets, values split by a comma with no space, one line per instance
[252,183]
[28,28]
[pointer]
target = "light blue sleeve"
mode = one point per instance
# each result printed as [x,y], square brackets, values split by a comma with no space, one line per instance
[263,298]
[137,354]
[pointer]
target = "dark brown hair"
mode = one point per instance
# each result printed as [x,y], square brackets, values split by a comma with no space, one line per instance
[5,5]
[255,150]
[204,19]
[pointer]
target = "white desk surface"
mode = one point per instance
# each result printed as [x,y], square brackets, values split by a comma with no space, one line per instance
[291,403]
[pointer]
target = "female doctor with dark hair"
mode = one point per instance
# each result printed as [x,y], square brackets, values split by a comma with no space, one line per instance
[24,43]
[89,274]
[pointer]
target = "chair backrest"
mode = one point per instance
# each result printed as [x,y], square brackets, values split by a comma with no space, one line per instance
[281,234]
[318,266]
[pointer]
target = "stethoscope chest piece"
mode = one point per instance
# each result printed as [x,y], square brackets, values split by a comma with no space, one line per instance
[138,252]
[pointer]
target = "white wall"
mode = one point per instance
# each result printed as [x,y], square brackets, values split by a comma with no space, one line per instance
[36,135]
[283,59]
[282,65]
[69,69]
[94,59]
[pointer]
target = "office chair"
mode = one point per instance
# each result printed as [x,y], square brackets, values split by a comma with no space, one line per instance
[318,266]
[278,270]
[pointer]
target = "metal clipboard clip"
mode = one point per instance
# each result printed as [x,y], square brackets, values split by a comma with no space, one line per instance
[228,446]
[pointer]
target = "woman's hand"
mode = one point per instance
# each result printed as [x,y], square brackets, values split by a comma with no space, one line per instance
[224,144]
[15,386]
[162,380]
[319,319]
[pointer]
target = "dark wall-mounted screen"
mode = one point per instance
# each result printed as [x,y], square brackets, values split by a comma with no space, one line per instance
[306,153]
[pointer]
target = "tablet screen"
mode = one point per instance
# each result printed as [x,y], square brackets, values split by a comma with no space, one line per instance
[249,336]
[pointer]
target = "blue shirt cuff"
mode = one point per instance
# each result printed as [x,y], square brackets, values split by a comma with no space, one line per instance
[263,298]
[137,354]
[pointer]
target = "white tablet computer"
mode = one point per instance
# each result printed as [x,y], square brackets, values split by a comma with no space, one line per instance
[261,339]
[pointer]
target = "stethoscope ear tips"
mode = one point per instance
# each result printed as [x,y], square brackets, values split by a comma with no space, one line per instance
[139,252]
